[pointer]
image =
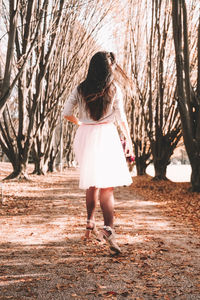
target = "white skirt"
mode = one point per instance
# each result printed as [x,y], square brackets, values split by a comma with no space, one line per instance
[100,156]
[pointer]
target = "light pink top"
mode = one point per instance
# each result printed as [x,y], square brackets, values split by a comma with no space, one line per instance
[114,112]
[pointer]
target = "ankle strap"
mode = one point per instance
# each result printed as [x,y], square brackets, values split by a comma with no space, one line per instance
[108,229]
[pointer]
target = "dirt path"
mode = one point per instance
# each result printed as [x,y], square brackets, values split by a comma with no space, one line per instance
[42,255]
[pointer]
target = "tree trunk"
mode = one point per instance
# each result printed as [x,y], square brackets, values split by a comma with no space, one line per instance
[141,166]
[38,160]
[195,176]
[38,168]
[142,156]
[187,96]
[52,160]
[160,170]
[19,171]
[162,150]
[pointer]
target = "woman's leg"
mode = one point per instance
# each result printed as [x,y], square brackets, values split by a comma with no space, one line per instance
[107,205]
[91,202]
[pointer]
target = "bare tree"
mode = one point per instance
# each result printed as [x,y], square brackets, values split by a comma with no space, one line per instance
[12,74]
[75,45]
[164,129]
[187,42]
[154,114]
[134,64]
[62,45]
[16,141]
[5,87]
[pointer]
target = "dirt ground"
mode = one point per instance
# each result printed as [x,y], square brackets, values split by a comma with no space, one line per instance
[43,255]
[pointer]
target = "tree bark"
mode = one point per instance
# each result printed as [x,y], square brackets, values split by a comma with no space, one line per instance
[160,170]
[4,92]
[195,176]
[187,97]
[19,170]
[141,166]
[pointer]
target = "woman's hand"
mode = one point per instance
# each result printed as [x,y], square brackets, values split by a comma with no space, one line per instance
[73,119]
[128,144]
[129,152]
[128,149]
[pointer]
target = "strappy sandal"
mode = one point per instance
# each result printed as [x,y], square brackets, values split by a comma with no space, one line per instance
[111,239]
[91,230]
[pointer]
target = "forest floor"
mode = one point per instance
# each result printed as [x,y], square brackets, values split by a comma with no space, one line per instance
[43,255]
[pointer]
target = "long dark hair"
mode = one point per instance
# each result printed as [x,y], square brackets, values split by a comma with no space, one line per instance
[98,88]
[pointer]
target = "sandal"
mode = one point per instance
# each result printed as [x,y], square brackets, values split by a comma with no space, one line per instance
[111,239]
[91,230]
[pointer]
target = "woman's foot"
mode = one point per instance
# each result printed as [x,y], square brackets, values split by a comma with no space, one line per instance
[91,229]
[109,235]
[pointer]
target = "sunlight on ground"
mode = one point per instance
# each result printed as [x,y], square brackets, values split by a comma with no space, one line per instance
[145,221]
[176,173]
[129,239]
[135,220]
[19,278]
[38,230]
[33,230]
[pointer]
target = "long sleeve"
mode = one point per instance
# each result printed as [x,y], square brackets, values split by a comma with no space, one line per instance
[119,107]
[71,103]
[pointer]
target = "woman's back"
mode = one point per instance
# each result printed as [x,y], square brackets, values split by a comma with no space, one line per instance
[114,112]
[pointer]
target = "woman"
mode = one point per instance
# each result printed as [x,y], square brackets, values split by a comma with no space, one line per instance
[97,145]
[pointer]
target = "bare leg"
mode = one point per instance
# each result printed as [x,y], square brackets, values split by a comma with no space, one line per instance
[91,202]
[107,205]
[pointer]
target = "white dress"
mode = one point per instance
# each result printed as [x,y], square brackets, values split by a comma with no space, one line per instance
[97,145]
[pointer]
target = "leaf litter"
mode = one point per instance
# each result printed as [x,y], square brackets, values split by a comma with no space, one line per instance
[43,255]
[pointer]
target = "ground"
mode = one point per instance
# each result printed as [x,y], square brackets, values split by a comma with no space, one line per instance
[43,255]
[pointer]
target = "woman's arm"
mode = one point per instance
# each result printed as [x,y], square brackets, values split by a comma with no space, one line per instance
[122,120]
[126,133]
[73,119]
[70,104]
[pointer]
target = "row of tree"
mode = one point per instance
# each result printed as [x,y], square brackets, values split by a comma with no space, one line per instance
[49,45]
[163,59]
[156,129]
[188,83]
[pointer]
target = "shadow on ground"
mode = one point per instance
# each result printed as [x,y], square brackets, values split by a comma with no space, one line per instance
[43,255]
